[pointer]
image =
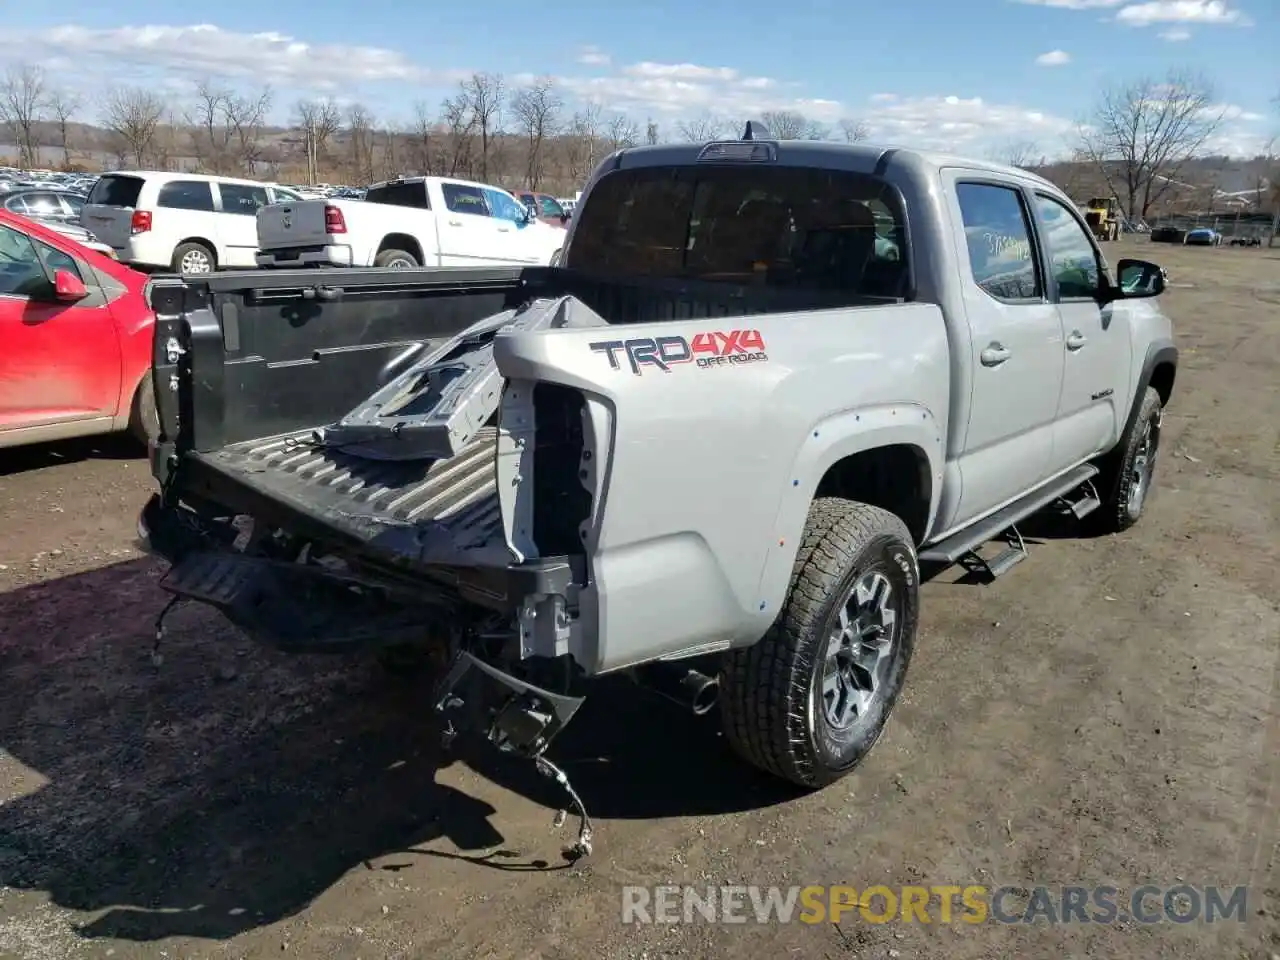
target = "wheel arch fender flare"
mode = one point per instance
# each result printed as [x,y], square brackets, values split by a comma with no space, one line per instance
[828,442]
[1161,355]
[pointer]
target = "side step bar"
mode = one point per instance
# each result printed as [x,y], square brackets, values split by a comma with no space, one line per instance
[964,544]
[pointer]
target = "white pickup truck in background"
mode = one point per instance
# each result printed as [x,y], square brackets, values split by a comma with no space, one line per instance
[404,223]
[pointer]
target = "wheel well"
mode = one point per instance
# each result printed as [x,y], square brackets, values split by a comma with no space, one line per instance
[1162,381]
[896,478]
[402,241]
[201,241]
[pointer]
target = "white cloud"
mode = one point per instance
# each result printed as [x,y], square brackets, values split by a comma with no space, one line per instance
[1145,14]
[1175,35]
[964,125]
[279,59]
[1179,11]
[593,57]
[1074,4]
[1054,58]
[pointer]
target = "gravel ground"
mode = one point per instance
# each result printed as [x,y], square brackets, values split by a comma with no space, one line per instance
[1107,713]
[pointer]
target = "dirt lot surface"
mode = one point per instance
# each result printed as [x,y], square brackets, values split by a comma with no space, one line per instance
[1107,713]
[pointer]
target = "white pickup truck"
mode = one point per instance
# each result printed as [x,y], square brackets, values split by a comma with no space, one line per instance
[405,223]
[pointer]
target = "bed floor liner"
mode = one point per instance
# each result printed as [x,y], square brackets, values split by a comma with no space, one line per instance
[442,511]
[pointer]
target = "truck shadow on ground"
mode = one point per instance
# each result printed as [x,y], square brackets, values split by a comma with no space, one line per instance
[227,788]
[41,455]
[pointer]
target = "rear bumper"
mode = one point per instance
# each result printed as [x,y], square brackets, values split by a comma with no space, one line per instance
[329,255]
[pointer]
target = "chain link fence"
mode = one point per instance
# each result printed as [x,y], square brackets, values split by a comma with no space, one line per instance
[1231,225]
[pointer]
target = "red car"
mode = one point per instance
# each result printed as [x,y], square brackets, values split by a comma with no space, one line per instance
[75,340]
[546,206]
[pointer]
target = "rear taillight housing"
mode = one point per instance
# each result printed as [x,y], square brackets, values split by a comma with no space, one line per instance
[334,221]
[141,221]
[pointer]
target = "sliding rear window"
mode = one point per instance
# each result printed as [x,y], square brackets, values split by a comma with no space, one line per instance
[786,227]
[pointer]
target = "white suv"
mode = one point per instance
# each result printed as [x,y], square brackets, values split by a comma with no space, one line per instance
[185,222]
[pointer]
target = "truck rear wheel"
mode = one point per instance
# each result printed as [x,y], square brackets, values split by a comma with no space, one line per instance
[810,699]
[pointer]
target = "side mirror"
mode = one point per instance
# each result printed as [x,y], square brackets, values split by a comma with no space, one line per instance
[564,218]
[68,288]
[1139,278]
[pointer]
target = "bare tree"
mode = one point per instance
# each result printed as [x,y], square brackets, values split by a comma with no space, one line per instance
[1141,135]
[64,106]
[785,124]
[621,131]
[483,93]
[247,117]
[360,131]
[1016,153]
[425,139]
[852,130]
[460,125]
[23,100]
[701,129]
[792,125]
[134,116]
[582,143]
[210,129]
[318,120]
[537,110]
[651,134]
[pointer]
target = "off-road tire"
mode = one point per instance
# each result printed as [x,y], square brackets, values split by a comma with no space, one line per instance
[770,709]
[386,258]
[144,419]
[1117,480]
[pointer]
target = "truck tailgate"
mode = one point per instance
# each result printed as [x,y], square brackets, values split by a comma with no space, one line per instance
[294,224]
[442,511]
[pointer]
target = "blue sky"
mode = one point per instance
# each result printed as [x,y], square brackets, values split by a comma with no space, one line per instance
[968,75]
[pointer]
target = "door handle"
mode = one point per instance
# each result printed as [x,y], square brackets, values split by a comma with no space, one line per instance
[504,229]
[1076,340]
[994,355]
[455,223]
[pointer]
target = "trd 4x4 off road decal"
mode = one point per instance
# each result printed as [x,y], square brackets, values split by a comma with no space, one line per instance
[714,349]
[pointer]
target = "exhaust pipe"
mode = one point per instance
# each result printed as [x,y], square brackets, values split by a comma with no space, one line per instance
[691,689]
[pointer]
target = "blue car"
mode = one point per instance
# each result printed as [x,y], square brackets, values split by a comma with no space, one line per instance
[1203,237]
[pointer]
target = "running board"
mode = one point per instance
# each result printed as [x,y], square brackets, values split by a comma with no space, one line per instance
[966,541]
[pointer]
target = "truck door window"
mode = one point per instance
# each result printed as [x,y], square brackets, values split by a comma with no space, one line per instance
[1072,256]
[463,198]
[794,227]
[504,206]
[997,232]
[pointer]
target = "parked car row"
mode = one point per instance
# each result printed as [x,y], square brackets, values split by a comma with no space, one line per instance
[75,322]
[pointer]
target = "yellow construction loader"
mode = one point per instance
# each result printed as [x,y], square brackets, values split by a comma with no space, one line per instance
[1103,216]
